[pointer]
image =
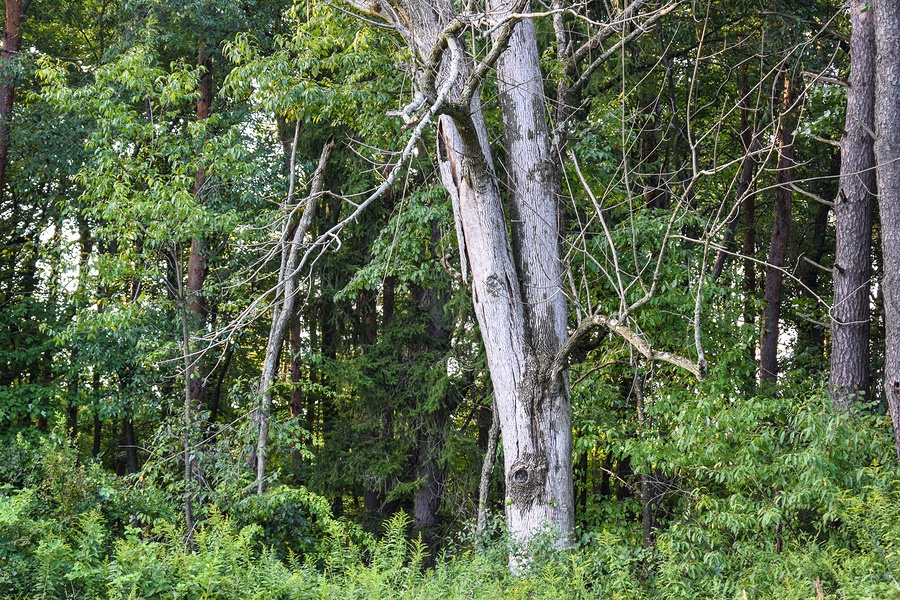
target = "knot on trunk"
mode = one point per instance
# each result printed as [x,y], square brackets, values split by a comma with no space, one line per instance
[526,482]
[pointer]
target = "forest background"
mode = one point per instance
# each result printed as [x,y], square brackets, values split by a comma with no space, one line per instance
[423,299]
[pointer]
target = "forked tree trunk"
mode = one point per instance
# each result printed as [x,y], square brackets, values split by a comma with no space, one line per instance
[887,160]
[849,376]
[517,297]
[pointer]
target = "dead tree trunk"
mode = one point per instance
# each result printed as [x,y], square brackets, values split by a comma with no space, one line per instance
[539,470]
[283,309]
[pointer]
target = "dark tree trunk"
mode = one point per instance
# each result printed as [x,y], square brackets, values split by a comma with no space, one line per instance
[743,193]
[581,477]
[849,374]
[781,235]
[198,267]
[427,501]
[129,442]
[887,160]
[72,403]
[98,424]
[221,371]
[9,54]
[810,334]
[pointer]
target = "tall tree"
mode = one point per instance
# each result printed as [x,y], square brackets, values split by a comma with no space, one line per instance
[536,430]
[781,233]
[887,161]
[849,375]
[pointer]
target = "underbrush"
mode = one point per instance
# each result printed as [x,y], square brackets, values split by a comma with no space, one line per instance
[772,499]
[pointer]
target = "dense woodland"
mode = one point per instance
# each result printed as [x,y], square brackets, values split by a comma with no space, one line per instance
[426,299]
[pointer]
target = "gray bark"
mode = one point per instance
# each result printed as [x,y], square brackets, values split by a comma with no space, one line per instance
[285,298]
[487,469]
[517,295]
[542,416]
[849,376]
[887,160]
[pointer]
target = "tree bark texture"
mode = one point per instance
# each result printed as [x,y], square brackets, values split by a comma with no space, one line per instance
[849,373]
[543,412]
[781,236]
[887,160]
[517,297]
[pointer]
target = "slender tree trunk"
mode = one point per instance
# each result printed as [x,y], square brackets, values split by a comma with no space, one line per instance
[9,55]
[781,235]
[298,402]
[72,403]
[98,424]
[811,335]
[216,399]
[285,299]
[129,441]
[744,193]
[887,160]
[748,249]
[487,470]
[436,421]
[198,267]
[849,374]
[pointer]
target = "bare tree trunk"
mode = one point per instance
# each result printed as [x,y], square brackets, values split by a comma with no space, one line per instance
[849,375]
[887,160]
[541,413]
[748,222]
[744,192]
[517,297]
[98,424]
[781,236]
[487,470]
[435,420]
[129,441]
[285,298]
